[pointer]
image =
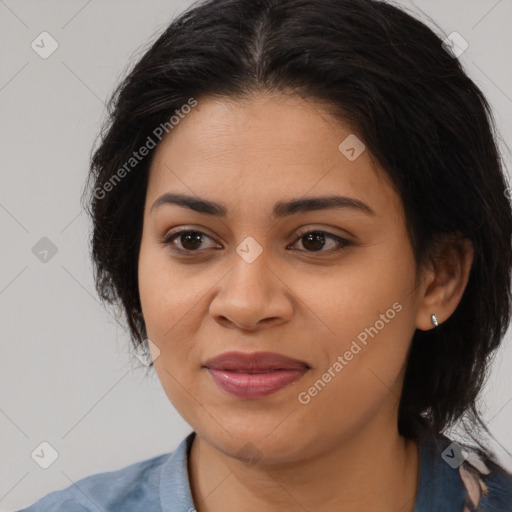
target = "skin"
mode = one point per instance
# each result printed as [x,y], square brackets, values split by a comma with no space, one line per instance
[342,450]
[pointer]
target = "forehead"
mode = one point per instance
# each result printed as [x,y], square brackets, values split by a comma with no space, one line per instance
[262,149]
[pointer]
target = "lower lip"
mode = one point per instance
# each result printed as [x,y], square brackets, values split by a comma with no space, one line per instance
[255,385]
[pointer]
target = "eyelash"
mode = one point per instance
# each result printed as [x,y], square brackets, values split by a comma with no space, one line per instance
[169,239]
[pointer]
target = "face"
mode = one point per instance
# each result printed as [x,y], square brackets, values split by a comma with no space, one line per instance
[330,286]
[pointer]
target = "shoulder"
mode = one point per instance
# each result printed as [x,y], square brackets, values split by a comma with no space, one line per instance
[458,477]
[134,487]
[488,486]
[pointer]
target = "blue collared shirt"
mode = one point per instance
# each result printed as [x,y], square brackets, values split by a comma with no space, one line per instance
[161,484]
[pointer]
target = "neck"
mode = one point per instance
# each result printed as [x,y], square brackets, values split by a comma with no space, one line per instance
[373,469]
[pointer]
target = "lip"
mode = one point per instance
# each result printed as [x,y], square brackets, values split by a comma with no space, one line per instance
[256,374]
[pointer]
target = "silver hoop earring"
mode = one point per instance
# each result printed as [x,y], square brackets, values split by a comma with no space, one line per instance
[434,321]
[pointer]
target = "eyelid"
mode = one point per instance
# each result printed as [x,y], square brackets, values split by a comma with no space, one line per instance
[327,230]
[185,229]
[301,231]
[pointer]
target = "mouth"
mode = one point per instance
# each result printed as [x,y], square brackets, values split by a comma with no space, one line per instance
[254,375]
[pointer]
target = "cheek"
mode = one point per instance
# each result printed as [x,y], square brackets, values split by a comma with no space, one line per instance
[168,299]
[164,298]
[166,293]
[355,295]
[369,310]
[173,304]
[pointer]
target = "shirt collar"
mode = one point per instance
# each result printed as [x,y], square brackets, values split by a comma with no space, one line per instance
[175,493]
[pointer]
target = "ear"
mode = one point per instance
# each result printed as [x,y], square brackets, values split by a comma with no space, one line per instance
[445,281]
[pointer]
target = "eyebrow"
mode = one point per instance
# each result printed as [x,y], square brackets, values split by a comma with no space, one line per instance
[280,210]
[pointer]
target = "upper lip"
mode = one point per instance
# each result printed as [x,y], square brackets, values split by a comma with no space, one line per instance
[254,361]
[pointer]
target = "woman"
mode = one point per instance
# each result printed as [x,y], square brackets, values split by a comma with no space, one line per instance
[300,206]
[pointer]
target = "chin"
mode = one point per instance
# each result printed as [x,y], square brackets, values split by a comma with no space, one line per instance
[253,442]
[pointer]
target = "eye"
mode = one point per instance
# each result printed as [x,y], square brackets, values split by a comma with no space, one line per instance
[315,241]
[188,241]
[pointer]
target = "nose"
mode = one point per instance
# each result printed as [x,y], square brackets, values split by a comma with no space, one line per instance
[252,296]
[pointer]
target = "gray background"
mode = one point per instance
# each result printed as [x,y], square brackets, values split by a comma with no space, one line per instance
[67,374]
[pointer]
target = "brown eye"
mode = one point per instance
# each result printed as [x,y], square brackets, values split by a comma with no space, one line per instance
[316,241]
[189,241]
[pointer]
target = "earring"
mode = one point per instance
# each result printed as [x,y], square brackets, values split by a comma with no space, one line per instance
[434,321]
